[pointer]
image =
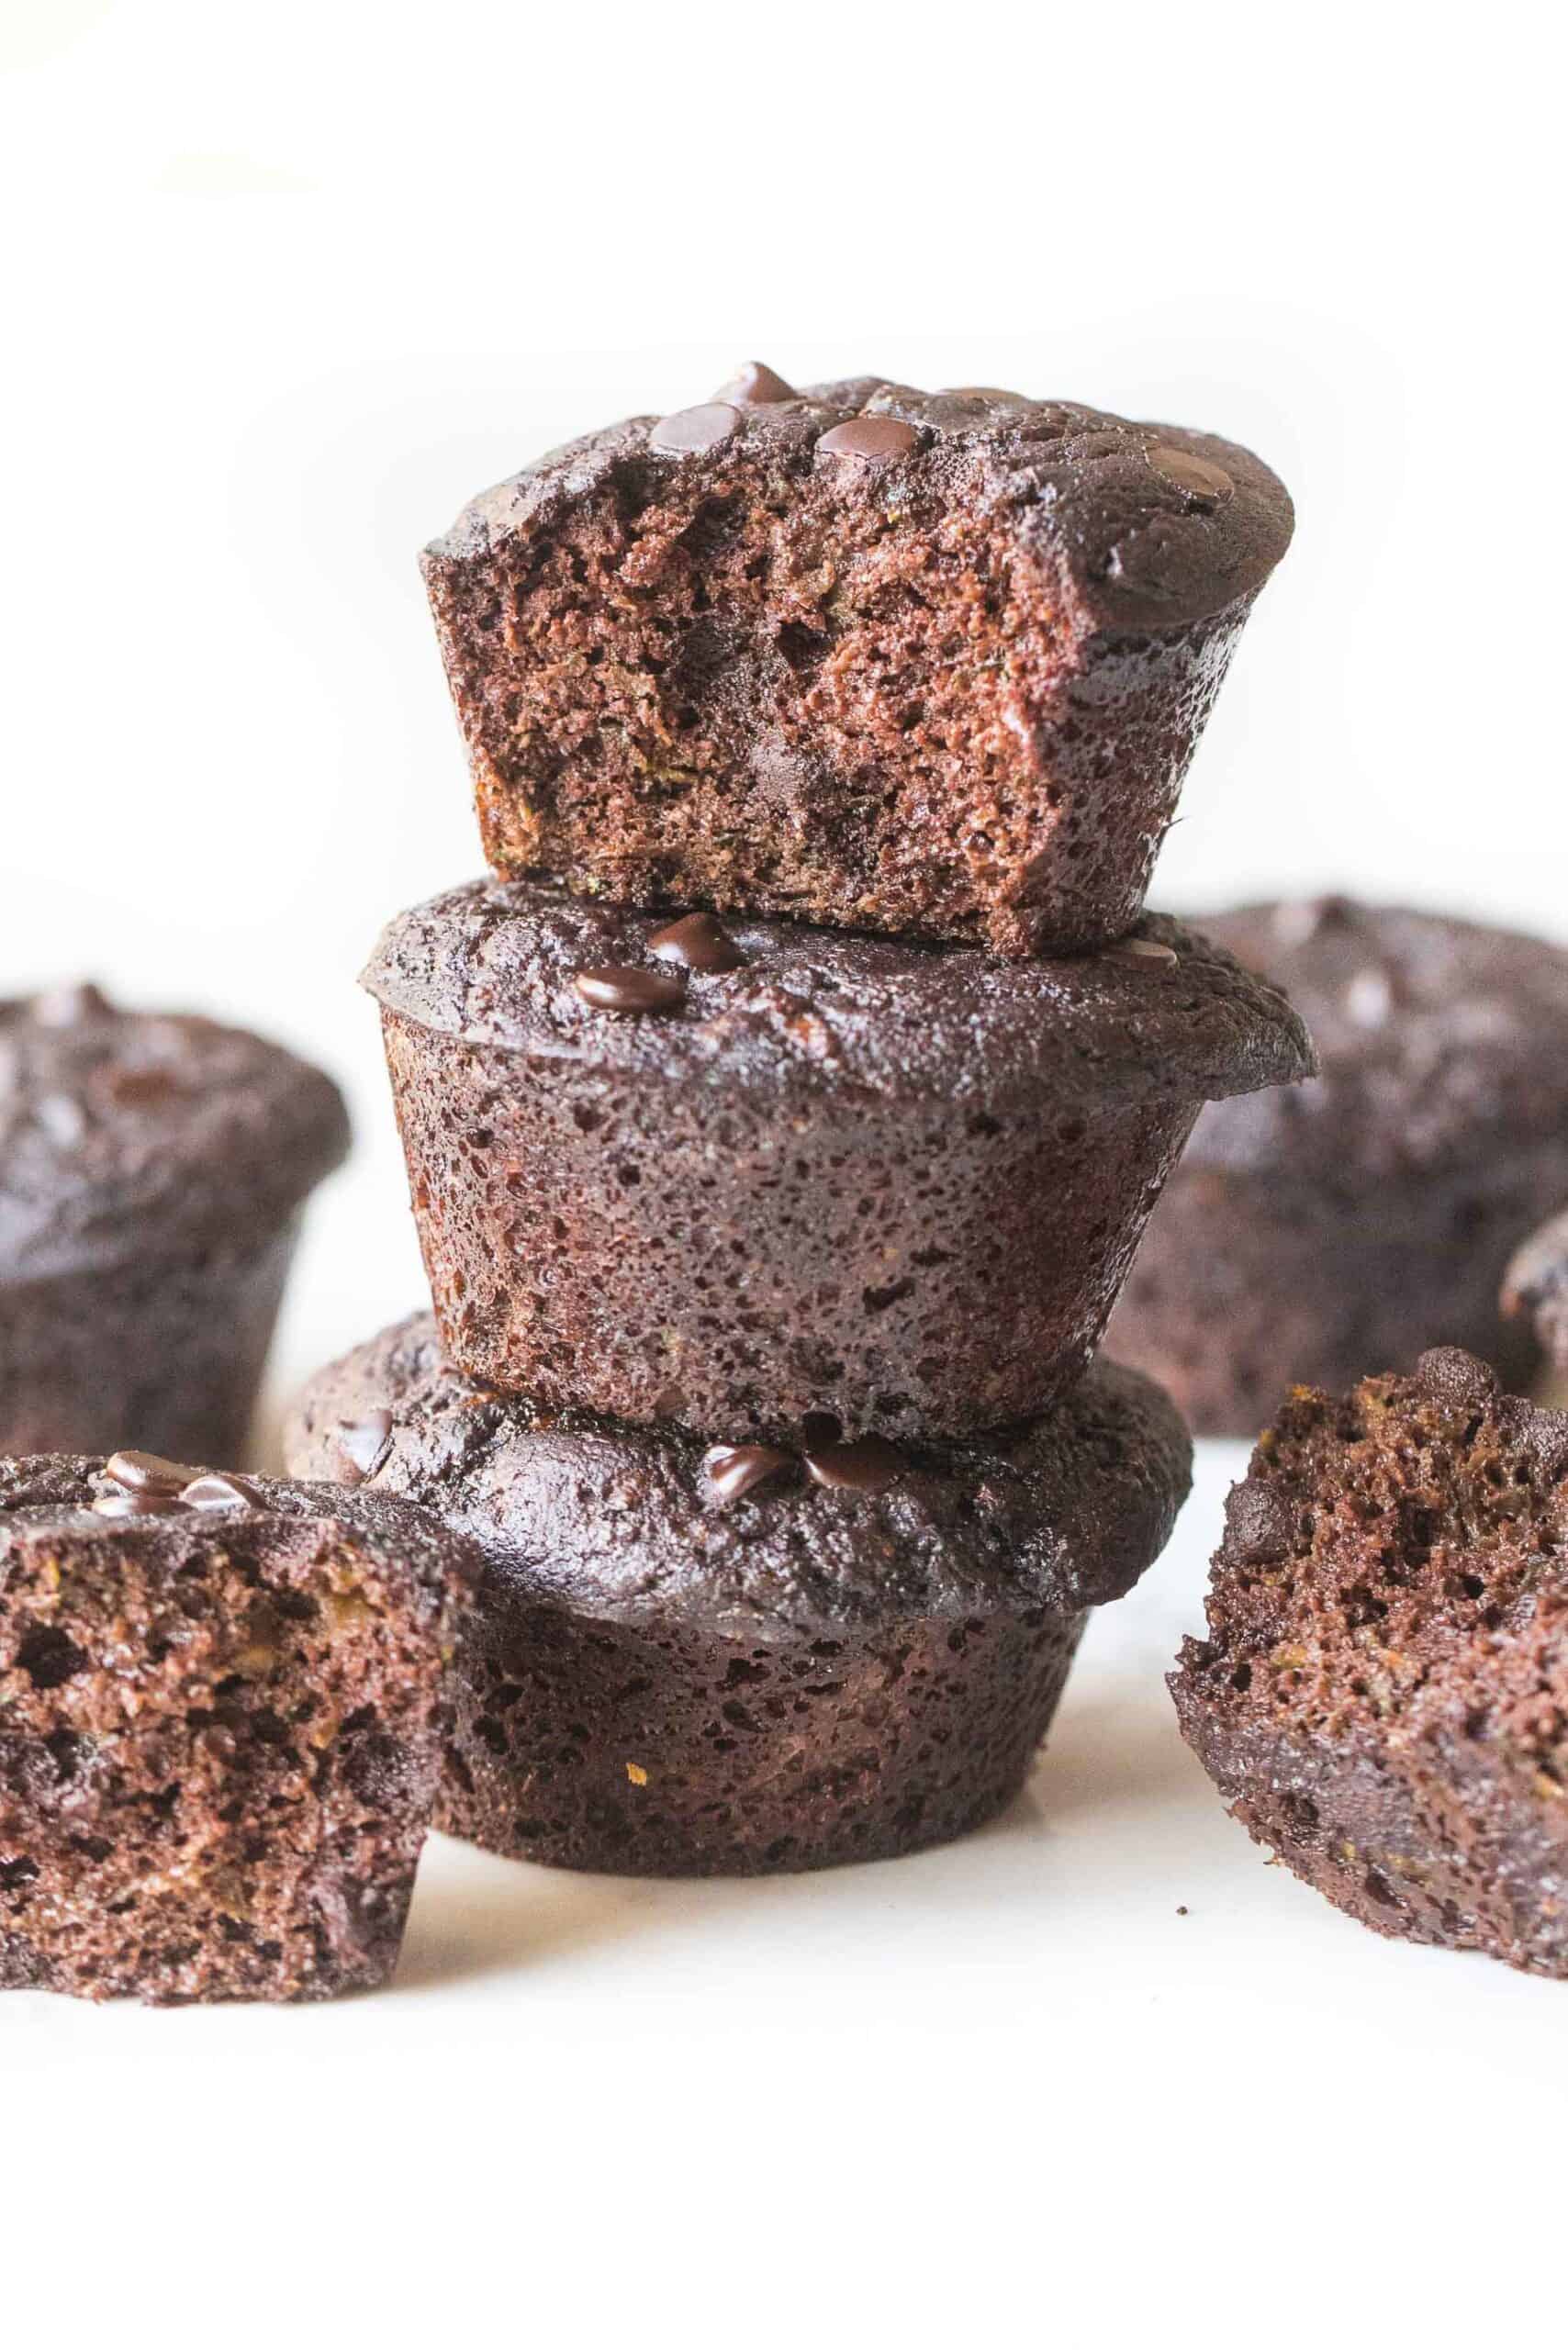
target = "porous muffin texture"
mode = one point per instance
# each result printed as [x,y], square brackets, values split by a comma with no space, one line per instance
[660,1678]
[152,1169]
[888,1182]
[220,1730]
[1535,1288]
[915,662]
[1316,1235]
[1383,1696]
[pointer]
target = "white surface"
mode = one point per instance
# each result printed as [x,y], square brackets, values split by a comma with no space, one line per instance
[1001,2092]
[285,284]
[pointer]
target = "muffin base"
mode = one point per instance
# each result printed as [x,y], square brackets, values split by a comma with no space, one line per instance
[675,1751]
[163,1353]
[1246,1285]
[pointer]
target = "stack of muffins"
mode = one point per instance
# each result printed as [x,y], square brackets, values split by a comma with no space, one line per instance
[782,1113]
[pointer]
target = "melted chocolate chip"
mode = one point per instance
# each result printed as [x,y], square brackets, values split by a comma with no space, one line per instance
[143,1088]
[1544,1436]
[626,987]
[218,1490]
[1455,1376]
[1259,1524]
[365,1444]
[1209,484]
[1143,950]
[732,1470]
[699,941]
[755,386]
[870,437]
[69,1007]
[864,1466]
[147,1503]
[149,1472]
[692,429]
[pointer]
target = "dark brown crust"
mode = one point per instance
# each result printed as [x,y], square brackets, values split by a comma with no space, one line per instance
[130,1134]
[1317,1236]
[220,1737]
[655,1683]
[697,1753]
[1383,1696]
[1244,1284]
[951,692]
[163,1353]
[897,1186]
[812,1012]
[620,1522]
[152,1168]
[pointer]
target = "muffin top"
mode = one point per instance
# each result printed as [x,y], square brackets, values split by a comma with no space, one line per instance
[127,1134]
[1160,1016]
[1062,1513]
[1437,1038]
[1144,525]
[170,1508]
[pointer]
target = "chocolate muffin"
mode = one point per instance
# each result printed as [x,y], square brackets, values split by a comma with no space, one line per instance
[929,663]
[221,1726]
[1315,1236]
[722,1661]
[152,1168]
[1536,1287]
[1383,1696]
[791,1171]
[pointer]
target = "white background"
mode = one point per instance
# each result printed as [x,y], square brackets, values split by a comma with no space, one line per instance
[281,285]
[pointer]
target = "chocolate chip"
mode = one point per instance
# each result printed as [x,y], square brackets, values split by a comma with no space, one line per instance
[692,429]
[626,987]
[1209,484]
[220,1491]
[68,1007]
[149,1472]
[142,1088]
[864,1466]
[755,386]
[1544,1436]
[365,1444]
[1259,1524]
[699,941]
[1455,1376]
[732,1470]
[149,1504]
[1143,950]
[870,437]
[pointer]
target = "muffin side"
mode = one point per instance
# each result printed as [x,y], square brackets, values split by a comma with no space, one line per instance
[893,1184]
